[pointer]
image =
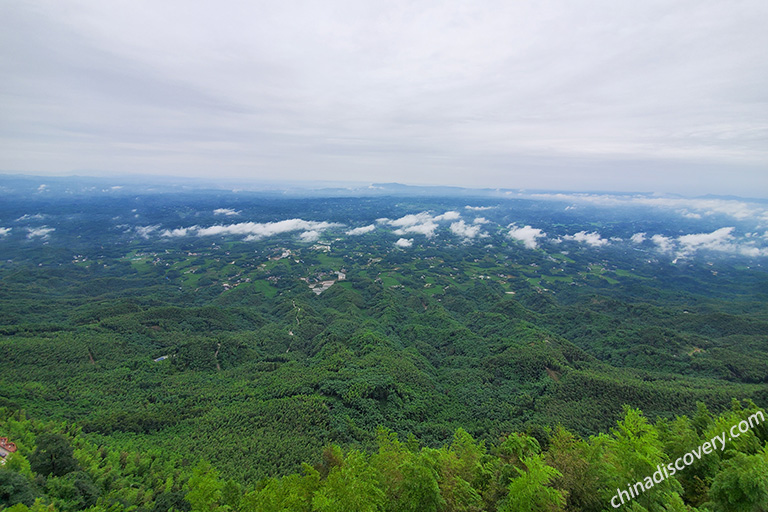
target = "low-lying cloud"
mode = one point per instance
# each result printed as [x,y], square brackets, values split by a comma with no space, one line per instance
[422,223]
[252,230]
[41,232]
[225,211]
[720,240]
[664,243]
[145,231]
[464,230]
[592,239]
[691,208]
[527,234]
[361,230]
[404,242]
[309,236]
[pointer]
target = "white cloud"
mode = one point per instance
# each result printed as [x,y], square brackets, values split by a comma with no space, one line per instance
[145,231]
[481,220]
[428,229]
[465,230]
[479,208]
[42,187]
[361,230]
[527,235]
[420,223]
[254,230]
[5,231]
[592,239]
[225,211]
[689,215]
[450,215]
[410,219]
[665,244]
[27,216]
[404,242]
[309,236]
[41,232]
[178,232]
[715,240]
[638,238]
[721,240]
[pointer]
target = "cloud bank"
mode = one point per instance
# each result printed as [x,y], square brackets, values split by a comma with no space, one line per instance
[252,230]
[690,208]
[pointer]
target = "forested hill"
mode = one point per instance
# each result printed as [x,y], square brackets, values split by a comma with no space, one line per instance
[56,468]
[253,332]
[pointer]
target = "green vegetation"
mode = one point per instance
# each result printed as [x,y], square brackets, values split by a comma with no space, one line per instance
[274,374]
[542,469]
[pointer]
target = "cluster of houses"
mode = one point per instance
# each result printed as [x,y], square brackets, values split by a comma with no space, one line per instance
[6,448]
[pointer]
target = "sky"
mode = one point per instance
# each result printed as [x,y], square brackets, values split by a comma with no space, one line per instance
[653,96]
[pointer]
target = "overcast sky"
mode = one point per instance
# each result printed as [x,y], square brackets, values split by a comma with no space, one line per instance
[665,96]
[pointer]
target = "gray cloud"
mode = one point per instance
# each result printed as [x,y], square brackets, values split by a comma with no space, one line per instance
[501,94]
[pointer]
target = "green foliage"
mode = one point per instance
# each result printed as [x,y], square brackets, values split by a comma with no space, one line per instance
[350,487]
[204,489]
[513,474]
[742,485]
[530,491]
[53,456]
[15,488]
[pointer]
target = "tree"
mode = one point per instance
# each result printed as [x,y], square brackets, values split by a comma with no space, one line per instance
[205,488]
[351,487]
[531,492]
[15,488]
[74,491]
[742,486]
[53,456]
[171,501]
[582,469]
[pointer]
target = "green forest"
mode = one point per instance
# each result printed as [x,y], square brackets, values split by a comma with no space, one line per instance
[56,468]
[345,373]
